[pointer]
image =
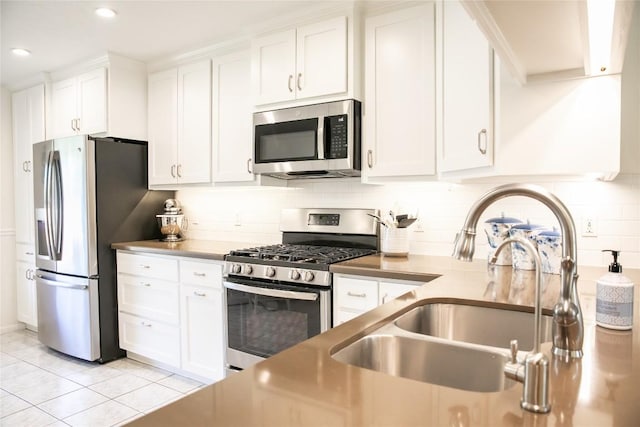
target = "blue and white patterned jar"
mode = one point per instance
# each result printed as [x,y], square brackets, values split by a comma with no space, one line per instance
[497,230]
[523,260]
[550,249]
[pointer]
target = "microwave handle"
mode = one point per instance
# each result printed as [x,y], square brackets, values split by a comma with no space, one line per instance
[321,144]
[307,296]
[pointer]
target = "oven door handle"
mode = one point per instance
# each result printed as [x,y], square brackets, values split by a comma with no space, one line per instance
[307,296]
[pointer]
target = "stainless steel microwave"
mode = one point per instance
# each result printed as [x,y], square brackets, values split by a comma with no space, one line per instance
[312,141]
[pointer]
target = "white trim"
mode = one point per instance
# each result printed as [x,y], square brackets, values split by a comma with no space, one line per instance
[12,328]
[7,232]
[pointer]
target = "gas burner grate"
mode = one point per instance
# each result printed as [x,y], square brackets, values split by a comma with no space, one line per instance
[310,254]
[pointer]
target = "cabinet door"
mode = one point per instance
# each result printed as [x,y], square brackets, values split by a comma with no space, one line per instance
[273,66]
[321,58]
[467,74]
[28,128]
[163,131]
[390,290]
[27,311]
[232,118]
[400,92]
[194,123]
[202,331]
[64,112]
[92,101]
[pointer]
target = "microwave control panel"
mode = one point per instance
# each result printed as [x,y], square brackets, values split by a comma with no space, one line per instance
[336,144]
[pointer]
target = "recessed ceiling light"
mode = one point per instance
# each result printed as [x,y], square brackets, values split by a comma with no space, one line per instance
[18,51]
[105,12]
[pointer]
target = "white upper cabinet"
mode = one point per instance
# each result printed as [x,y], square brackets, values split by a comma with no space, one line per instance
[467,86]
[232,118]
[180,125]
[105,97]
[28,128]
[400,101]
[79,104]
[310,61]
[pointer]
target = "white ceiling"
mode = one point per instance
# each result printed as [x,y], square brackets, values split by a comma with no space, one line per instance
[62,33]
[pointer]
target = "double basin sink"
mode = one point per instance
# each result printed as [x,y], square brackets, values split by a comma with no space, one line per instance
[456,343]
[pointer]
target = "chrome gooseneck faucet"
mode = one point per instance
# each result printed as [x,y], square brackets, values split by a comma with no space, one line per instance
[568,326]
[533,371]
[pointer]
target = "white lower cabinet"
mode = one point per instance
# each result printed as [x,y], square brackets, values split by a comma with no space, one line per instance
[170,311]
[27,307]
[202,318]
[354,295]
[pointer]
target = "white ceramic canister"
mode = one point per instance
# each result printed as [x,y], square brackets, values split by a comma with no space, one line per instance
[523,260]
[550,250]
[614,297]
[394,241]
[497,230]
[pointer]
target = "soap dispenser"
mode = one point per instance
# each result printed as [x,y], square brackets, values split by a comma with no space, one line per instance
[614,297]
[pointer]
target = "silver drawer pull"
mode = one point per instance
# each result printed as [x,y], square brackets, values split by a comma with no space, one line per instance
[353,294]
[199,294]
[148,325]
[28,253]
[145,284]
[146,267]
[195,273]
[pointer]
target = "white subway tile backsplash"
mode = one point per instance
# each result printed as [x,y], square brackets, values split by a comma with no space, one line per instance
[253,215]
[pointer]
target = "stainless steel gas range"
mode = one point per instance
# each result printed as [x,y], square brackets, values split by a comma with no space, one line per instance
[280,295]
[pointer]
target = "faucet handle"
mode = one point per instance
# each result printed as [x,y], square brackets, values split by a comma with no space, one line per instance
[514,351]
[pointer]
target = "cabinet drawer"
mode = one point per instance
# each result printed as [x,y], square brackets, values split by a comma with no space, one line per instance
[201,273]
[149,297]
[389,290]
[25,252]
[148,266]
[150,338]
[356,294]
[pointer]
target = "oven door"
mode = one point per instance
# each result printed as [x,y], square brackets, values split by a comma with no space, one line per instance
[265,318]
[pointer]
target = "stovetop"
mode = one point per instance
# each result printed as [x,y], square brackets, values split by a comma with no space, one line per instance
[300,254]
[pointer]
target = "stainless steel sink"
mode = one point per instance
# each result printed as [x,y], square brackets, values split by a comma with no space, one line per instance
[475,324]
[435,362]
[454,343]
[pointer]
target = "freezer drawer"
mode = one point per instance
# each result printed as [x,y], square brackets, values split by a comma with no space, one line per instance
[68,314]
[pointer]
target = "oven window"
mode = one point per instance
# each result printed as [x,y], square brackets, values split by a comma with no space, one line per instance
[288,141]
[265,325]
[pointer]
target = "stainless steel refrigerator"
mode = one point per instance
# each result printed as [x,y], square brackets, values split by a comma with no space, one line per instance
[88,193]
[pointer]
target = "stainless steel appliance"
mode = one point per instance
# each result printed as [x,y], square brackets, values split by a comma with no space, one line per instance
[312,141]
[280,295]
[88,193]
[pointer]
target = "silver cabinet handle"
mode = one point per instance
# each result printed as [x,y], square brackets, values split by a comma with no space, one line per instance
[73,124]
[289,83]
[146,267]
[28,165]
[249,165]
[195,273]
[145,324]
[179,170]
[78,124]
[28,253]
[353,294]
[482,149]
[173,171]
[26,274]
[199,294]
[148,285]
[370,159]
[25,168]
[298,81]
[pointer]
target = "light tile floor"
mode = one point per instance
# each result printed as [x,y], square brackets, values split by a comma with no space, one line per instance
[41,387]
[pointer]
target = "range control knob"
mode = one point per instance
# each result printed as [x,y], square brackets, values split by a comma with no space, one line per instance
[270,272]
[308,276]
[294,275]
[235,268]
[247,269]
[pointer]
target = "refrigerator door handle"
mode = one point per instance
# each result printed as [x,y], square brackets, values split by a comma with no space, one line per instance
[59,211]
[60,284]
[48,211]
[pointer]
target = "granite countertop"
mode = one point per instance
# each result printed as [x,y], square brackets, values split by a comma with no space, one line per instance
[207,249]
[304,386]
